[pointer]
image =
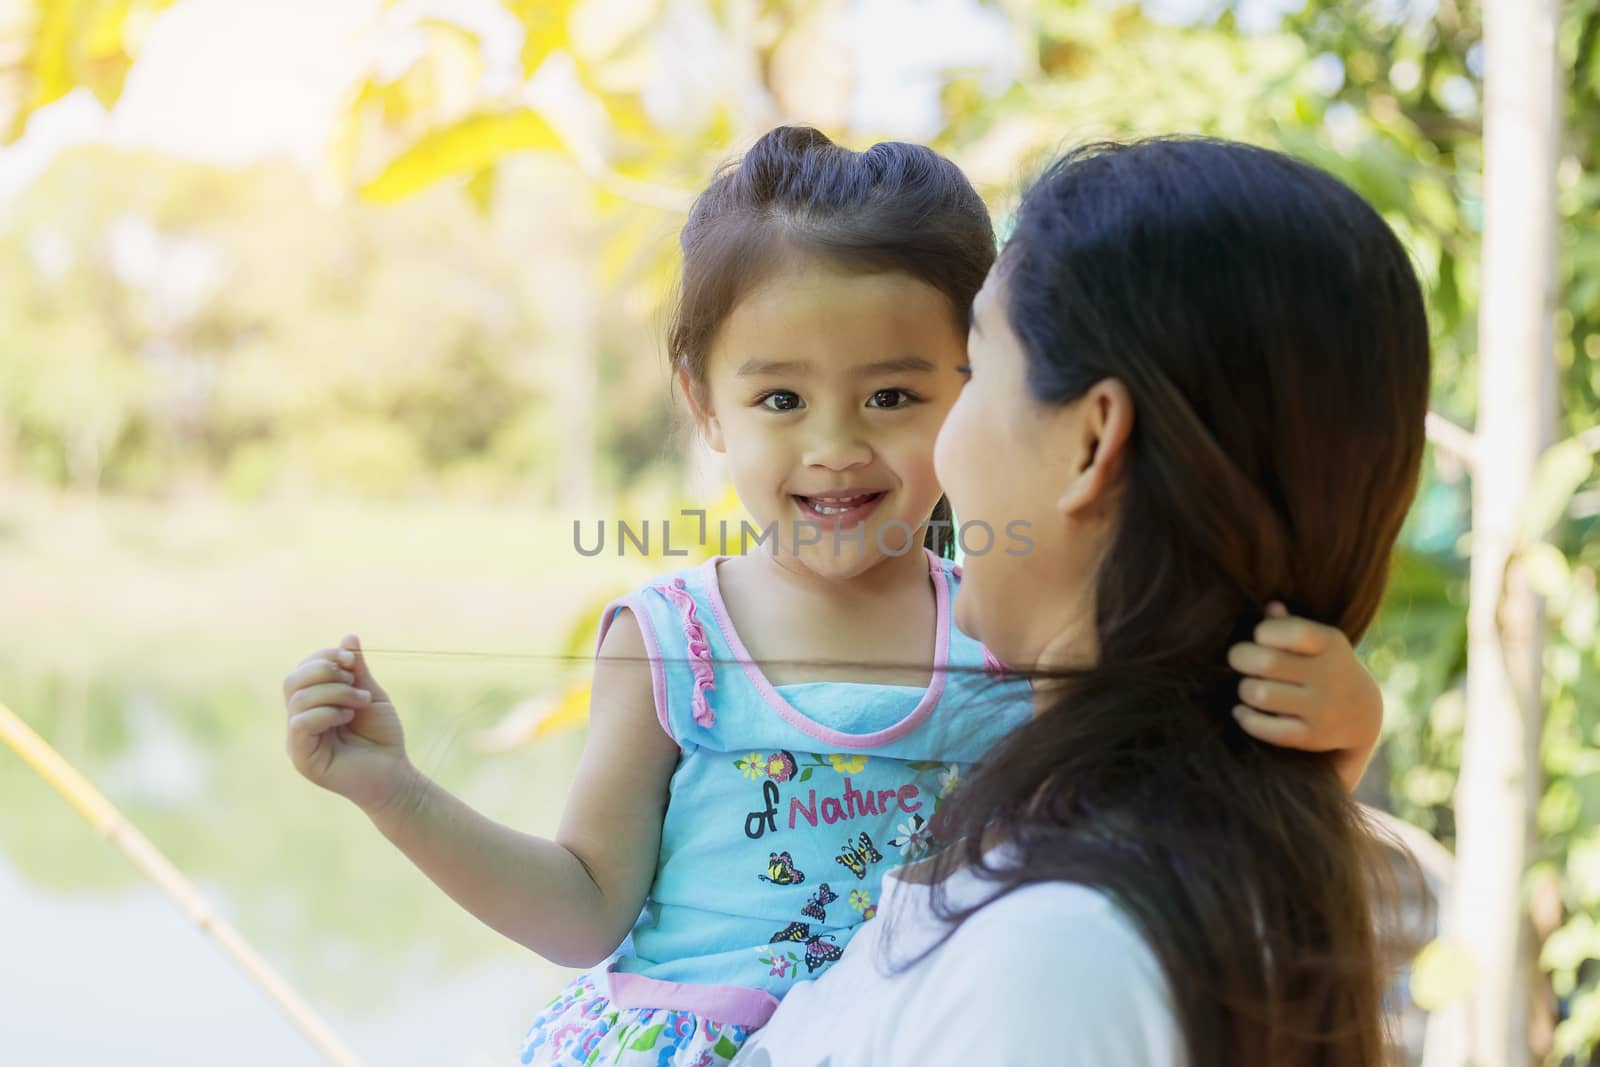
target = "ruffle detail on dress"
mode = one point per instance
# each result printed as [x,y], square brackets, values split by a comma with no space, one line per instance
[700,662]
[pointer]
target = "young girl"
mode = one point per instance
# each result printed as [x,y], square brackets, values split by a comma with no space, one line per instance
[759,752]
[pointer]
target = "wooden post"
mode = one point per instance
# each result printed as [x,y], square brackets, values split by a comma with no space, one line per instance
[1500,772]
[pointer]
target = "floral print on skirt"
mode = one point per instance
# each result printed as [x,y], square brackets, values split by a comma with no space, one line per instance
[581,1028]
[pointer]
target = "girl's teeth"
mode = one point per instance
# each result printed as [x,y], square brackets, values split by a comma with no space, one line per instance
[839,507]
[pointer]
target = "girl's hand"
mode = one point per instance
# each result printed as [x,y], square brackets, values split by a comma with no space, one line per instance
[344,733]
[1305,689]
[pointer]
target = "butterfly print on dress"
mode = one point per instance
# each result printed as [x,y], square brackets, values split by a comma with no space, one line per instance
[782,871]
[818,902]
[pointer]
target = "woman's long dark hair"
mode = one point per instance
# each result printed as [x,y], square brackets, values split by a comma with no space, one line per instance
[895,208]
[1271,332]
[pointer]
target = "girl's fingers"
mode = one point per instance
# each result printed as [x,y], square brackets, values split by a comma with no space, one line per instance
[1285,731]
[1282,698]
[331,693]
[337,655]
[1300,636]
[357,662]
[306,726]
[313,672]
[1269,663]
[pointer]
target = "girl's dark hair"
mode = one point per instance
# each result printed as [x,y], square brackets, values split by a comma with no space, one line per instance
[895,208]
[1271,332]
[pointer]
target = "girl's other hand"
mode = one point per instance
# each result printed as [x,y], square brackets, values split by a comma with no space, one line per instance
[343,732]
[1304,688]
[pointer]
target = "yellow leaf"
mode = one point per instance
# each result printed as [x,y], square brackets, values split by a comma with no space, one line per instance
[569,712]
[544,25]
[481,189]
[103,36]
[462,149]
[537,718]
[71,44]
[1547,570]
[1441,975]
[52,44]
[629,119]
[1560,473]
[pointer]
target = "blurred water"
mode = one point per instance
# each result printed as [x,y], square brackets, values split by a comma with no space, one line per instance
[123,977]
[98,966]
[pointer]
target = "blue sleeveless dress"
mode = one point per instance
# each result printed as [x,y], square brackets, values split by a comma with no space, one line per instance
[787,807]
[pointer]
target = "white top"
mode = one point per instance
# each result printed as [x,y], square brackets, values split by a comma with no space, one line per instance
[1052,974]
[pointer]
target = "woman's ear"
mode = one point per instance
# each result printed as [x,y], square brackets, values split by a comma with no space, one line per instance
[705,419]
[1100,428]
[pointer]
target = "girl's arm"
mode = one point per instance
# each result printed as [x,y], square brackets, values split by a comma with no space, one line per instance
[1306,689]
[574,899]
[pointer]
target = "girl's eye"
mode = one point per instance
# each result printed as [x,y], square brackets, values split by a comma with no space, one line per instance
[781,400]
[965,370]
[891,398]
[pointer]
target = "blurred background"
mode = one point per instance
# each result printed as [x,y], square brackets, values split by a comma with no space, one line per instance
[321,316]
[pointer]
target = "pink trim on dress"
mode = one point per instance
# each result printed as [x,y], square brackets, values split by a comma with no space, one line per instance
[731,1004]
[992,664]
[794,717]
[700,662]
[652,648]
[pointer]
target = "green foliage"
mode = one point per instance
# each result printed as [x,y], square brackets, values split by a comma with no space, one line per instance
[166,322]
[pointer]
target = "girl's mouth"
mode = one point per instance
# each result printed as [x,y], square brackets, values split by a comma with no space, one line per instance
[838,510]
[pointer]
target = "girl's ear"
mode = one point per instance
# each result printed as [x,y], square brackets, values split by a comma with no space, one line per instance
[698,397]
[1098,436]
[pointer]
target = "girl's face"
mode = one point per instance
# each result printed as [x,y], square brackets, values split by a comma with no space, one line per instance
[826,390]
[1043,478]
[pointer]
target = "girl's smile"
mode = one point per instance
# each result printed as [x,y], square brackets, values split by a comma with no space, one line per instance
[839,511]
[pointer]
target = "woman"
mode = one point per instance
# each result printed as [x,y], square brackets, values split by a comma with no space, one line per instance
[1200,374]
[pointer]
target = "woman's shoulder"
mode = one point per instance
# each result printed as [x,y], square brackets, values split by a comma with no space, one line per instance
[1067,956]
[1060,919]
[1051,912]
[1048,974]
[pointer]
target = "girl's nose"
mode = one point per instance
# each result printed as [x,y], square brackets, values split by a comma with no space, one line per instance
[837,447]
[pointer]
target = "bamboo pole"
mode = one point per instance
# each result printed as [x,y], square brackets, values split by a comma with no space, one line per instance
[1498,792]
[105,818]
